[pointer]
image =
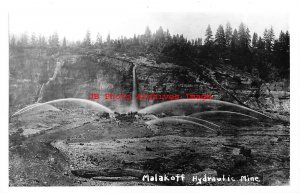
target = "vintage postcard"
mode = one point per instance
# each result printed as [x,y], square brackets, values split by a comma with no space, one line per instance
[141,94]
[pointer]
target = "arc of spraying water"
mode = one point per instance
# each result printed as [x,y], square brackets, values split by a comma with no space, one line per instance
[172,119]
[102,107]
[221,112]
[26,108]
[195,119]
[190,106]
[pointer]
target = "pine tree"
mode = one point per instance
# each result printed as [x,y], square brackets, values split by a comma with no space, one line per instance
[42,41]
[268,38]
[287,40]
[244,37]
[168,36]
[23,40]
[281,37]
[271,37]
[260,44]
[254,40]
[147,33]
[54,40]
[33,40]
[235,39]
[64,45]
[228,34]
[99,39]
[108,38]
[248,37]
[87,40]
[281,57]
[208,36]
[159,33]
[220,39]
[193,42]
[200,41]
[135,40]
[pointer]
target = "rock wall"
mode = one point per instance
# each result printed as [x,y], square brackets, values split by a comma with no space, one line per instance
[37,77]
[78,76]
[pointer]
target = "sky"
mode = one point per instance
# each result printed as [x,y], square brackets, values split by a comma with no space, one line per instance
[72,19]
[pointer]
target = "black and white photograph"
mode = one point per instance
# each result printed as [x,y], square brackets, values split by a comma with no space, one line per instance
[140,94]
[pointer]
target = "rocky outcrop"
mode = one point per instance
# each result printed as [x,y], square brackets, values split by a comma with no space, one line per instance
[73,75]
[77,76]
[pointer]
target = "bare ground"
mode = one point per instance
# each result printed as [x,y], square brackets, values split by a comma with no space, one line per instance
[79,147]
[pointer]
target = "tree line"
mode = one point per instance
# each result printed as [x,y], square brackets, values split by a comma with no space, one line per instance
[266,56]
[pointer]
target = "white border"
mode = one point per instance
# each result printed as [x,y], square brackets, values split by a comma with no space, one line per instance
[288,6]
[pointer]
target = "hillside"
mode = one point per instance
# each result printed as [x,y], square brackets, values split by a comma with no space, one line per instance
[73,144]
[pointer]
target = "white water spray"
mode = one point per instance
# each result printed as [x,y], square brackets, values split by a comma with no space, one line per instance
[78,101]
[134,104]
[177,120]
[57,70]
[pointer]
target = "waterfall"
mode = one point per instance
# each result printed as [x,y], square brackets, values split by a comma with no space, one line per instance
[134,103]
[41,93]
[56,71]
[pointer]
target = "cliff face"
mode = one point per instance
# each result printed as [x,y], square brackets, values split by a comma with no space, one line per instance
[38,77]
[28,70]
[78,76]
